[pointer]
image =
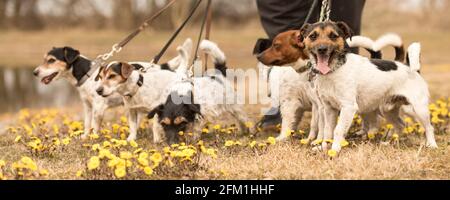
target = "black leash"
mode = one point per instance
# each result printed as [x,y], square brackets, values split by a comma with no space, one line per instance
[164,49]
[205,17]
[313,6]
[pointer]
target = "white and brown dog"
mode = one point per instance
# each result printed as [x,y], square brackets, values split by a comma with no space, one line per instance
[69,64]
[293,91]
[141,90]
[199,98]
[348,83]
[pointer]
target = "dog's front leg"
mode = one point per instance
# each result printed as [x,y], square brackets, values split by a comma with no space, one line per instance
[348,111]
[157,130]
[87,110]
[133,123]
[314,128]
[97,115]
[291,114]
[330,118]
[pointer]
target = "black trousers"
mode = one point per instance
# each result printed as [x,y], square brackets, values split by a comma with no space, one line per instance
[281,15]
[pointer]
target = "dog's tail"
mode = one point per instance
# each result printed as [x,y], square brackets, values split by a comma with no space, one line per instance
[366,43]
[216,54]
[413,57]
[391,39]
[184,53]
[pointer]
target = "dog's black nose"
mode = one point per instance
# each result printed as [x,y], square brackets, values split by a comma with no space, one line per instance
[36,72]
[100,91]
[322,50]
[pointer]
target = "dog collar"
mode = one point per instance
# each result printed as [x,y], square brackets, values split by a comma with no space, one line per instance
[140,81]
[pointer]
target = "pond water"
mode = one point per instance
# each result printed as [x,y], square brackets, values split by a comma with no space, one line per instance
[20,89]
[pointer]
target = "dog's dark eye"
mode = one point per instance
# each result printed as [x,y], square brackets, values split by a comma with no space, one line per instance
[51,60]
[111,76]
[333,36]
[313,36]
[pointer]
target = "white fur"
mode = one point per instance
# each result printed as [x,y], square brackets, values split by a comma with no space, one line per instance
[390,39]
[414,56]
[359,87]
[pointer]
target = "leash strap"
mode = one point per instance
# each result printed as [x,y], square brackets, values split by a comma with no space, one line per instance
[205,17]
[101,59]
[164,49]
[325,11]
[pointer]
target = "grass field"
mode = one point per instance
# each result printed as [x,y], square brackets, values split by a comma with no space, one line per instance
[50,137]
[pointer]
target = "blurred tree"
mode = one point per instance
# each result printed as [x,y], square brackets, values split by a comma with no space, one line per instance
[3,13]
[123,16]
[26,16]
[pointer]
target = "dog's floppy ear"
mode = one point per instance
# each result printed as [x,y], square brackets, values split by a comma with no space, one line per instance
[99,72]
[126,70]
[70,55]
[158,110]
[295,39]
[261,45]
[346,30]
[302,34]
[195,108]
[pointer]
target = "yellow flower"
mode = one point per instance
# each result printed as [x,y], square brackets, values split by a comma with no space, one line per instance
[104,153]
[120,172]
[115,128]
[124,120]
[389,126]
[217,127]
[304,141]
[133,144]
[252,144]
[371,135]
[28,130]
[211,152]
[395,136]
[408,120]
[229,143]
[94,163]
[56,141]
[66,141]
[205,131]
[94,136]
[95,147]
[329,140]
[125,155]
[2,163]
[143,161]
[181,133]
[138,151]
[262,145]
[79,173]
[148,171]
[249,124]
[43,172]
[289,132]
[18,138]
[106,144]
[156,158]
[344,143]
[271,140]
[332,153]
[55,129]
[28,163]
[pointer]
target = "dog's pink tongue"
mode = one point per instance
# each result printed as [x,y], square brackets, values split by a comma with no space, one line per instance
[322,64]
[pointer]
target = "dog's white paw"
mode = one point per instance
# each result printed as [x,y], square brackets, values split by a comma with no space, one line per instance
[432,145]
[336,146]
[385,143]
[85,136]
[281,138]
[131,138]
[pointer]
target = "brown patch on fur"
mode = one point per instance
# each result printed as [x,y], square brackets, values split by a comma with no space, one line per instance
[166,121]
[399,100]
[180,119]
[285,49]
[126,69]
[109,76]
[56,64]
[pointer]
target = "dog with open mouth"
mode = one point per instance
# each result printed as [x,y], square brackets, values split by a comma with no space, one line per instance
[348,84]
[294,91]
[67,63]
